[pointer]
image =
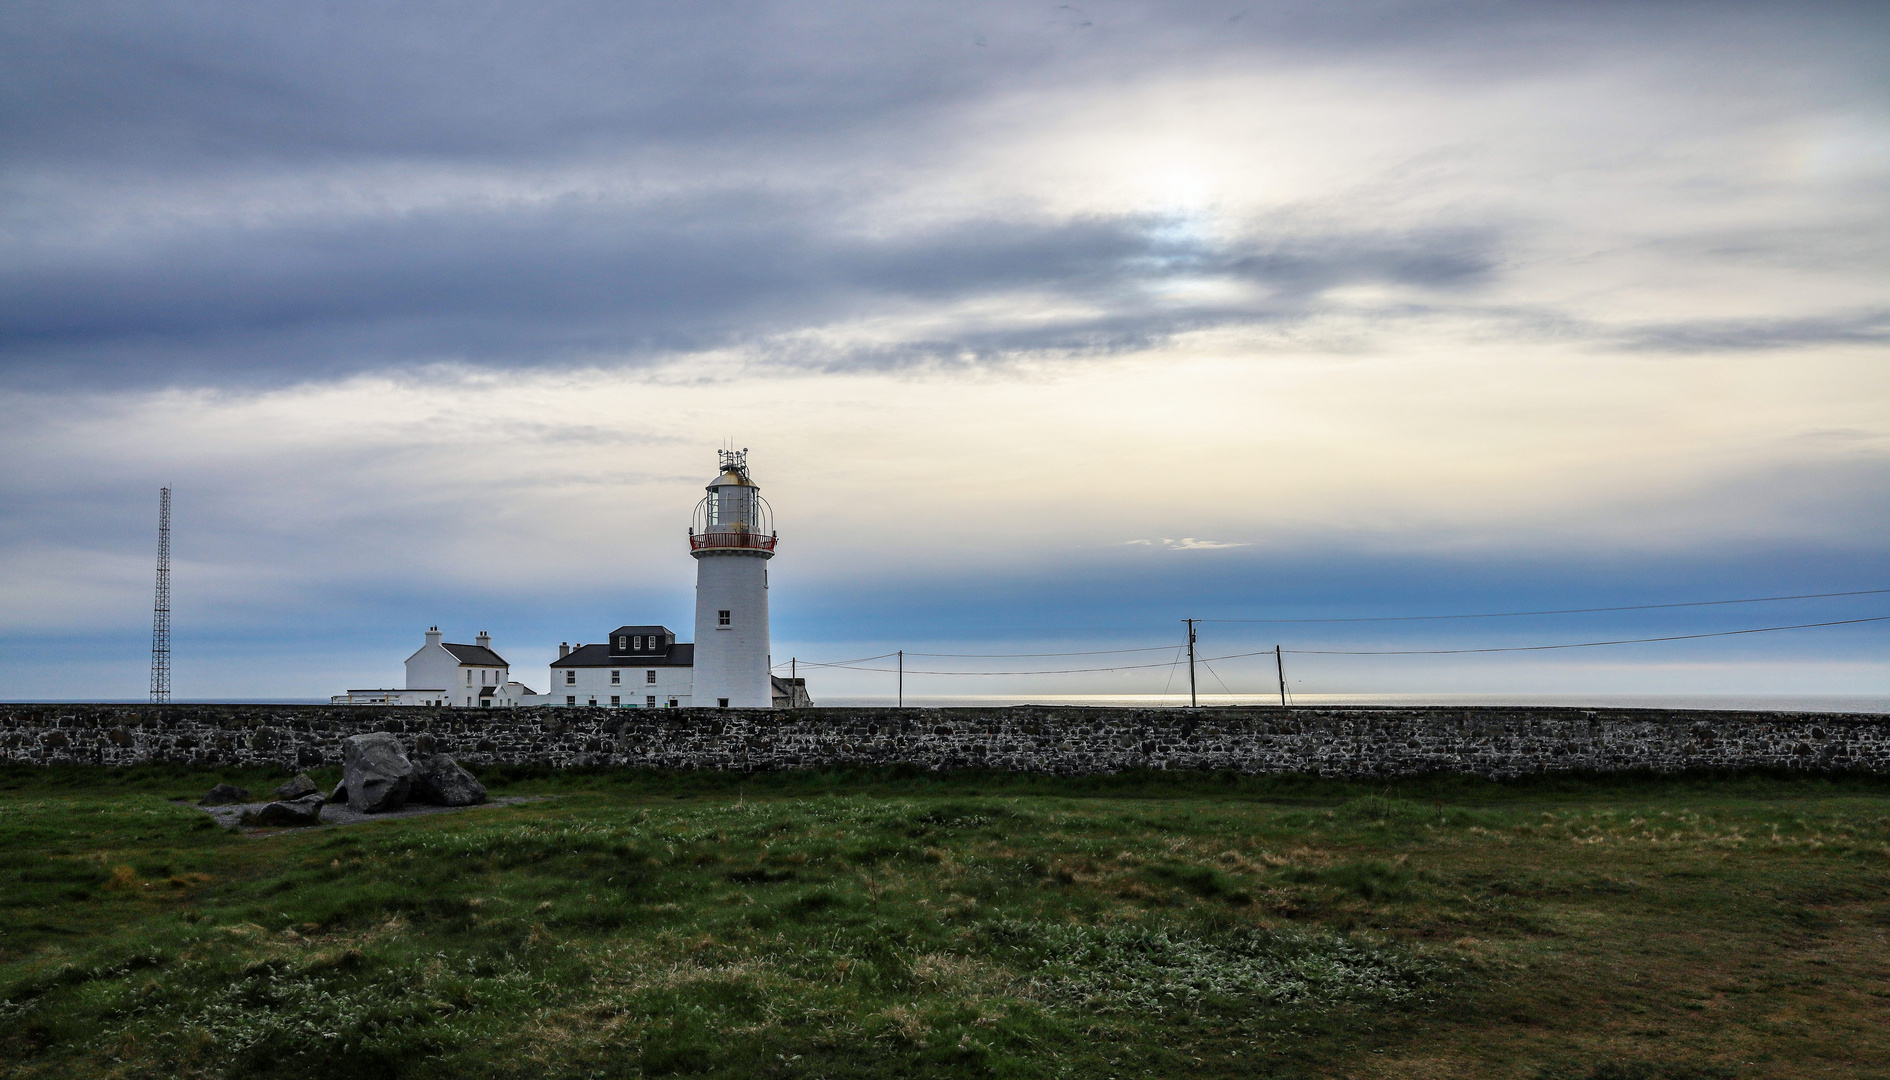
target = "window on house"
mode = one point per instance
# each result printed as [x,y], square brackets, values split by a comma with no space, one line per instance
[639,643]
[623,642]
[593,702]
[649,676]
[721,703]
[672,703]
[616,677]
[469,676]
[650,702]
[615,700]
[570,676]
[721,618]
[570,699]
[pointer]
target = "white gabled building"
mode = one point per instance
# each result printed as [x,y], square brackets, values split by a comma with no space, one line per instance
[445,674]
[463,671]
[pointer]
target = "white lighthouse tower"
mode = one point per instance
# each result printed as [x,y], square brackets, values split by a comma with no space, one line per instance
[732,540]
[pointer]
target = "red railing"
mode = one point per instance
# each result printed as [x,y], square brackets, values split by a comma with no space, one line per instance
[750,541]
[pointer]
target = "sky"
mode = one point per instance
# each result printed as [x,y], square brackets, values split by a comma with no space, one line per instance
[1045,326]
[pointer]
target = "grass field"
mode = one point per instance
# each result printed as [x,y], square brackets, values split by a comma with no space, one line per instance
[891,924]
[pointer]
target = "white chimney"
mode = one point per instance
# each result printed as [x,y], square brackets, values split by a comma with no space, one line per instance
[484,640]
[564,649]
[433,635]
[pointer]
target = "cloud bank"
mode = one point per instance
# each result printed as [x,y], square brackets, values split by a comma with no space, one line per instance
[439,309]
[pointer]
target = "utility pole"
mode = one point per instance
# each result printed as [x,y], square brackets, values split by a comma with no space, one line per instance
[1279,662]
[1193,702]
[161,608]
[793,667]
[902,678]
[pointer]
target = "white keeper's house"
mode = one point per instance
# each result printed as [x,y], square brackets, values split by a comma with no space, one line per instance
[636,666]
[728,666]
[446,674]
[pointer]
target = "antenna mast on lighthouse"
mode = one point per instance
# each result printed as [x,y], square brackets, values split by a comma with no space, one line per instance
[161,608]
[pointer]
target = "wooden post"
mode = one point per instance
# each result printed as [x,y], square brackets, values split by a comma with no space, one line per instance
[1193,701]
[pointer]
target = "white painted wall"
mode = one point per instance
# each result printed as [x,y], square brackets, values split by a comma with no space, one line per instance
[732,661]
[411,696]
[633,690]
[434,667]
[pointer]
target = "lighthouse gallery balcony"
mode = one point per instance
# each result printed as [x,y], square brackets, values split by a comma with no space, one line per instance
[744,540]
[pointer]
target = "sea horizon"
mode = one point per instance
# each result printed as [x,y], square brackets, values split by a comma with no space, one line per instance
[1832,703]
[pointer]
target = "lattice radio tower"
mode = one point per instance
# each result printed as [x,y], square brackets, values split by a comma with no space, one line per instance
[161,610]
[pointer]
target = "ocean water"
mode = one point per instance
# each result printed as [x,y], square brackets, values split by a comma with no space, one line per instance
[1837,703]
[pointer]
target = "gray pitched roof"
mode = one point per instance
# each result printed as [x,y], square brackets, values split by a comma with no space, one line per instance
[681,654]
[646,630]
[474,655]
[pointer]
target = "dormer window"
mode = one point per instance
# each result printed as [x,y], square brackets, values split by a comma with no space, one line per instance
[623,642]
[639,642]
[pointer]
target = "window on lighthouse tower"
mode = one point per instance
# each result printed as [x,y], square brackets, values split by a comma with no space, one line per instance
[721,618]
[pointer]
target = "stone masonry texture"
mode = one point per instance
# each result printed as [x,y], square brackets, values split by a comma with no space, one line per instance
[1337,741]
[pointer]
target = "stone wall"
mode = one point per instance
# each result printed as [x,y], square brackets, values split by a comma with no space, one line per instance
[1335,741]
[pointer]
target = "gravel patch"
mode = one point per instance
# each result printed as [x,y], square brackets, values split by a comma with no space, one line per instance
[231,816]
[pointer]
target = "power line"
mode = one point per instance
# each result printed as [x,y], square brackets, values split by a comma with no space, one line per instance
[1375,652]
[1061,671]
[999,656]
[1581,644]
[1562,611]
[1217,677]
[1171,672]
[1019,655]
[1384,618]
[839,663]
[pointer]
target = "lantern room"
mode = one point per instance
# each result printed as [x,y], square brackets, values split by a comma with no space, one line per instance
[733,516]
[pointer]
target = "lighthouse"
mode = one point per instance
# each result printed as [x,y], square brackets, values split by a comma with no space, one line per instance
[732,539]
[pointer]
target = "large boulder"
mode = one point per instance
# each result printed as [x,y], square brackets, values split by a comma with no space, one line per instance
[224,795]
[439,780]
[378,775]
[306,810]
[298,788]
